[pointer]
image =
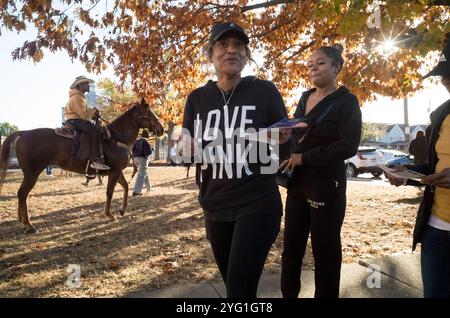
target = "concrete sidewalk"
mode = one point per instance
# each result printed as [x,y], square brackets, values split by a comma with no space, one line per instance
[396,277]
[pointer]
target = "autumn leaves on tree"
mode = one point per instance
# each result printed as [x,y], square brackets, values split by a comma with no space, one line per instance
[159,45]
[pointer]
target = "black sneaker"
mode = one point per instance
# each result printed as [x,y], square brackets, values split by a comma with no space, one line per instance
[135,194]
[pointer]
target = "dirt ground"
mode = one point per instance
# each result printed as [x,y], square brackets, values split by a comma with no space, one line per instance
[161,239]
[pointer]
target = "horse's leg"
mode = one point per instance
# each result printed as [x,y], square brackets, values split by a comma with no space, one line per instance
[112,181]
[123,182]
[28,182]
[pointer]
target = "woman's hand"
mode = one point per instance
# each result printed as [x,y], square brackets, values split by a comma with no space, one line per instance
[285,133]
[440,179]
[291,163]
[396,181]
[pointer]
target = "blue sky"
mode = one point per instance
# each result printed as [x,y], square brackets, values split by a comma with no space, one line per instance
[32,95]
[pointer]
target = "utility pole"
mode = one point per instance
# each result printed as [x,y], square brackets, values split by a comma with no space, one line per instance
[406,120]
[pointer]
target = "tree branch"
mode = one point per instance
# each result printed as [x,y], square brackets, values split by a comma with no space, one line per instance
[202,41]
[194,16]
[274,28]
[304,48]
[222,6]
[287,49]
[95,4]
[440,3]
[266,4]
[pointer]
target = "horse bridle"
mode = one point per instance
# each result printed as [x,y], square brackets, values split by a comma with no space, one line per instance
[141,117]
[152,120]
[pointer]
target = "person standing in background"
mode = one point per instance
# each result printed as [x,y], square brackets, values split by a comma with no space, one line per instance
[418,148]
[141,151]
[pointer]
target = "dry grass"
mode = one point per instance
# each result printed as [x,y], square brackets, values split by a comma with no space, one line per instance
[160,241]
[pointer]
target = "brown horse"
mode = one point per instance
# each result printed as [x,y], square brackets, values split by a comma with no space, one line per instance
[37,148]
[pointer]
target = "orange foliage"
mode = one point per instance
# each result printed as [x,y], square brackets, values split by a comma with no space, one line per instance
[159,45]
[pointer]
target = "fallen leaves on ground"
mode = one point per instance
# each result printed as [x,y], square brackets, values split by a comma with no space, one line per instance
[161,239]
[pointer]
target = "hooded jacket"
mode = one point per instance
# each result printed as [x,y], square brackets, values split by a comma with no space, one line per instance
[255,103]
[76,107]
[141,148]
[335,138]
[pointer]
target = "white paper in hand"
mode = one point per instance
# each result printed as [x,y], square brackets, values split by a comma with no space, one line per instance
[405,174]
[288,123]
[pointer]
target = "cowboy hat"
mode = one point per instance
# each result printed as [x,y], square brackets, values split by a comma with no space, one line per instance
[79,80]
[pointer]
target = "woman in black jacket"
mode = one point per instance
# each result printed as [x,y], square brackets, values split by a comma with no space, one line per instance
[432,228]
[316,194]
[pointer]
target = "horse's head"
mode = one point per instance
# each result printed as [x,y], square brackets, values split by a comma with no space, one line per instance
[148,119]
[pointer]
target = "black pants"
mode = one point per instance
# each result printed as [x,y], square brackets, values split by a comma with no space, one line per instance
[324,219]
[87,127]
[240,249]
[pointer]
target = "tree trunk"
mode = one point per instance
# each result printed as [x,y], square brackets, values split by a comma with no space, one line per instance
[157,142]
[170,142]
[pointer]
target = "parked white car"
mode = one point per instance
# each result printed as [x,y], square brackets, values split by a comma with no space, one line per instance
[366,160]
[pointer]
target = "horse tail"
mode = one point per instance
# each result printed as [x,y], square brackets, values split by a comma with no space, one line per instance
[134,168]
[4,155]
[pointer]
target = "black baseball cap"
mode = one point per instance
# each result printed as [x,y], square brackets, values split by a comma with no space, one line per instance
[221,28]
[443,67]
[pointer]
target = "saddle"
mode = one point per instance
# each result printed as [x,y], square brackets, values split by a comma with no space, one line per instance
[66,131]
[81,145]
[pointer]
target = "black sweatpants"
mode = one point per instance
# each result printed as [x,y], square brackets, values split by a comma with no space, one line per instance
[323,218]
[240,248]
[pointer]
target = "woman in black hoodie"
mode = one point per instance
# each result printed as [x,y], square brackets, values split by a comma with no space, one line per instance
[241,202]
[316,194]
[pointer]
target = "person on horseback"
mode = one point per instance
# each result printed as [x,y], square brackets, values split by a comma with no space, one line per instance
[79,115]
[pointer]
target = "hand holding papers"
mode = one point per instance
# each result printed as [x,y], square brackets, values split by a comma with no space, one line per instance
[402,174]
[285,127]
[282,131]
[290,123]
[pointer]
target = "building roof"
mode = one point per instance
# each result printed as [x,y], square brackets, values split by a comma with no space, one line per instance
[402,127]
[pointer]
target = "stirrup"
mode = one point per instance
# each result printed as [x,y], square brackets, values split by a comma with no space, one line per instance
[99,166]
